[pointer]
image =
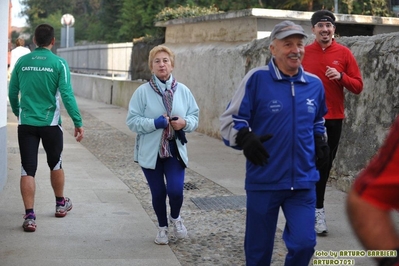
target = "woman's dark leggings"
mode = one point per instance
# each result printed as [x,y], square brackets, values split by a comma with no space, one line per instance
[171,171]
[334,128]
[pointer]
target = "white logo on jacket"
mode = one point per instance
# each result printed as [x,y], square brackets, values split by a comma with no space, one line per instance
[311,106]
[310,102]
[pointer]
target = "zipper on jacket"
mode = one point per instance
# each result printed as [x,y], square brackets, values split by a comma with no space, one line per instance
[292,90]
[293,135]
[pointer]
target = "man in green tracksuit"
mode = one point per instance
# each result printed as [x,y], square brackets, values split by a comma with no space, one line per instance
[37,82]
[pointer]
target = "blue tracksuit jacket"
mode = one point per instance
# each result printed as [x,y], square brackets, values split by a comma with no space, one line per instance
[289,108]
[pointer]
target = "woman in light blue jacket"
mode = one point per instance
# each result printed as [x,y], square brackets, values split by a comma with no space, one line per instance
[161,111]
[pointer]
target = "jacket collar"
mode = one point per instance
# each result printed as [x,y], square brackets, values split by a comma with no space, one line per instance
[277,75]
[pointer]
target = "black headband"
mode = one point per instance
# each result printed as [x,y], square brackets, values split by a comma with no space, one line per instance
[322,16]
[325,19]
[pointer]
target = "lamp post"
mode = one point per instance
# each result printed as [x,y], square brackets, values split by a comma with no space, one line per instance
[67,20]
[335,6]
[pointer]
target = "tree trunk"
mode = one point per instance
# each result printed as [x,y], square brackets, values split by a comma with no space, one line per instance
[310,6]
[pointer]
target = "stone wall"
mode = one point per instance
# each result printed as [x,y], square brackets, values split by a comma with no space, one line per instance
[370,114]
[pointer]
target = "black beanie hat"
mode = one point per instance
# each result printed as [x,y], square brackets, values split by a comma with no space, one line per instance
[323,16]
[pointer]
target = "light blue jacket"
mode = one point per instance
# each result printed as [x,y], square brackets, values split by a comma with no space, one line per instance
[145,106]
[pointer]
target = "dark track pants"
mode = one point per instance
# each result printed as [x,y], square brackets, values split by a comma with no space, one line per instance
[334,129]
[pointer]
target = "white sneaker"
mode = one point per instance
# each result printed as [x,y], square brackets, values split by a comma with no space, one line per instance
[162,236]
[320,223]
[179,229]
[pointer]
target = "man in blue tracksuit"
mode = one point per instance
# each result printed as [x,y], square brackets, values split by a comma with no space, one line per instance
[283,103]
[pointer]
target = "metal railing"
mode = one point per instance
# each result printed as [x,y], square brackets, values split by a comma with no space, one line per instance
[99,59]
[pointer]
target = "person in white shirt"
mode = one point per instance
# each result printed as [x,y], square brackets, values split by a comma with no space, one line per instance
[17,52]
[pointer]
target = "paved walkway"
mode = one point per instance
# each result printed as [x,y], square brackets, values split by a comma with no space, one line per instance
[112,222]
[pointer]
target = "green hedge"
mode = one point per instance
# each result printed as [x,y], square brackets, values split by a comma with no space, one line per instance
[185,12]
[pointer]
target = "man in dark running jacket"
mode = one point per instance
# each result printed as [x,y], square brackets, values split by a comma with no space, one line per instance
[37,82]
[282,102]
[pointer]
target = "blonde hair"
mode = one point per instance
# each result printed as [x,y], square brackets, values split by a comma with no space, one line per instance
[19,42]
[158,49]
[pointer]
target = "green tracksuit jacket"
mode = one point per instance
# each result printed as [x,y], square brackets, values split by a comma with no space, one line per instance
[37,82]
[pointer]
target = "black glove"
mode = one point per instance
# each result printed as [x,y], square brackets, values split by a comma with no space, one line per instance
[322,151]
[252,146]
[181,135]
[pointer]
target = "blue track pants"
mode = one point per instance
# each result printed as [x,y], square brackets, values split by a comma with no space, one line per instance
[299,235]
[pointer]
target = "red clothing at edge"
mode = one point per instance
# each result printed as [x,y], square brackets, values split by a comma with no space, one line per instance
[341,58]
[378,183]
